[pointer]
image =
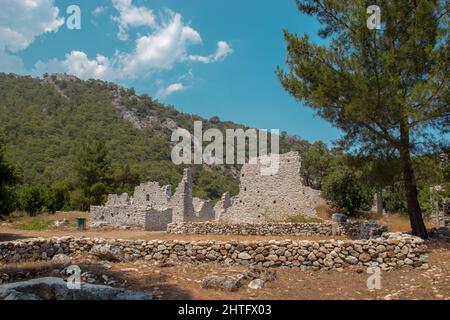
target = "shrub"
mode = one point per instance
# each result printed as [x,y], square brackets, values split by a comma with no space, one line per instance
[33,199]
[58,197]
[344,190]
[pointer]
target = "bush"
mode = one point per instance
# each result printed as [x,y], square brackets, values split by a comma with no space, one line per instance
[394,199]
[58,197]
[78,201]
[344,190]
[32,199]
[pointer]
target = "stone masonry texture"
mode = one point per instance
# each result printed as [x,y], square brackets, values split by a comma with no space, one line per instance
[390,251]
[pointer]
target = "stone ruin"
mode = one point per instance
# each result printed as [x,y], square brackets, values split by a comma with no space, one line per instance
[272,198]
[261,199]
[153,207]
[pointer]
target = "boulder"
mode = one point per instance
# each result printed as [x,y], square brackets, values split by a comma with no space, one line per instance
[62,259]
[226,283]
[256,284]
[108,252]
[260,272]
[51,288]
[339,217]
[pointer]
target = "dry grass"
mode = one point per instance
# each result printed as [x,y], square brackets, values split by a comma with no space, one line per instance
[44,221]
[398,222]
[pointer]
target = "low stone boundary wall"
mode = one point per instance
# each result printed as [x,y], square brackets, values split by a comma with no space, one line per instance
[353,229]
[390,251]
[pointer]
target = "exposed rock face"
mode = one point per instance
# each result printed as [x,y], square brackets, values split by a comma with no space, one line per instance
[272,198]
[392,250]
[56,289]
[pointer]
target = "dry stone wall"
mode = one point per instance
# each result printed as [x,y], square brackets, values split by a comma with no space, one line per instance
[391,251]
[352,229]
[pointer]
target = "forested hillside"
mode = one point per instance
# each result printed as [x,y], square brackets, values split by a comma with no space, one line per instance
[49,122]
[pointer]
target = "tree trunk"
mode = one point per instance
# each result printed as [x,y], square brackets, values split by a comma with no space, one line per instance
[414,210]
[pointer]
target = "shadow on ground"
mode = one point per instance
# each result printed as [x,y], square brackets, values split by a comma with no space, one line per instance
[154,283]
[12,237]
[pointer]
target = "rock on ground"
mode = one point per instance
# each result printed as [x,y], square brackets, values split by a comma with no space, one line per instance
[51,288]
[256,284]
[260,272]
[226,283]
[108,252]
[62,259]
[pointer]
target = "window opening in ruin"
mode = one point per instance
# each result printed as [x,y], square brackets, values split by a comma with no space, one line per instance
[148,197]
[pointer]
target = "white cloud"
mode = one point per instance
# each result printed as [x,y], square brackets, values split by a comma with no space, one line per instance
[77,63]
[97,11]
[165,92]
[162,49]
[22,21]
[164,46]
[223,50]
[11,63]
[131,16]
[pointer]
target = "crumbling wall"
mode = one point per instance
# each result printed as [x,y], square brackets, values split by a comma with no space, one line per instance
[119,215]
[181,202]
[151,195]
[272,198]
[222,205]
[118,200]
[157,220]
[203,210]
[153,207]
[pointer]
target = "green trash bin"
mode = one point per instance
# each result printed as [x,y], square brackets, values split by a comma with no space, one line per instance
[81,222]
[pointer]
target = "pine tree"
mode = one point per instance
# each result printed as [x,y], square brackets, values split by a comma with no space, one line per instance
[387,89]
[93,168]
[7,180]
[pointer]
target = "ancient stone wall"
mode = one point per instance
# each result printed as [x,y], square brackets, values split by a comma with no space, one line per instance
[157,220]
[352,229]
[118,200]
[204,210]
[222,205]
[392,250]
[181,202]
[150,194]
[119,215]
[152,207]
[272,198]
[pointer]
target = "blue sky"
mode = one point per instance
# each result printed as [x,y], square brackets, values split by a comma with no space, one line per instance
[208,57]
